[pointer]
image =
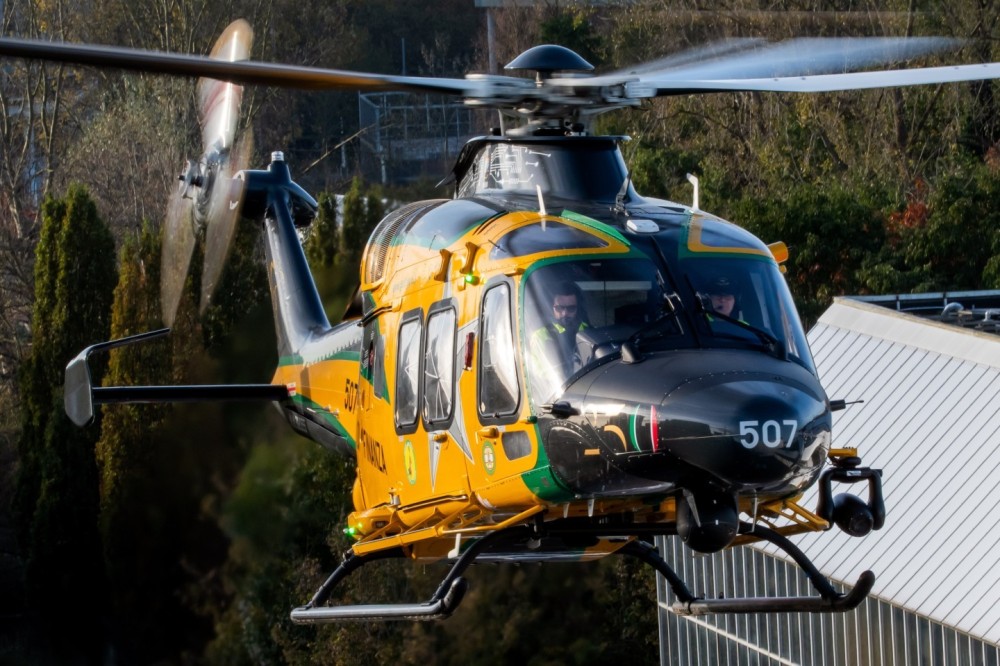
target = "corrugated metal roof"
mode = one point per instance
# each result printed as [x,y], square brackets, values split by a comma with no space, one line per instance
[931,421]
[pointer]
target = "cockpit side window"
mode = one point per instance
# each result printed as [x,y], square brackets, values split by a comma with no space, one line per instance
[795,339]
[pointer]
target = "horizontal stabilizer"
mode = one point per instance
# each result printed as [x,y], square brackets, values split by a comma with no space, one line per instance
[81,395]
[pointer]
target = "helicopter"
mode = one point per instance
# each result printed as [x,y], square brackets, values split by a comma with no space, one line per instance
[546,365]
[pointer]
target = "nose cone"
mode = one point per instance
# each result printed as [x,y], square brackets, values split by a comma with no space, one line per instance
[740,420]
[747,429]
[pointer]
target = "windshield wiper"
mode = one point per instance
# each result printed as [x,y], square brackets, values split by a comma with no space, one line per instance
[667,311]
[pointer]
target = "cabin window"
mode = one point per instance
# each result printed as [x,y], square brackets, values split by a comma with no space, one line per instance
[439,368]
[499,389]
[377,366]
[408,372]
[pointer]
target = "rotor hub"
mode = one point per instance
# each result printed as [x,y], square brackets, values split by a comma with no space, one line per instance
[548,58]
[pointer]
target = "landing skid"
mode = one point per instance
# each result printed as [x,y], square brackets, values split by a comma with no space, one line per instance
[451,591]
[828,601]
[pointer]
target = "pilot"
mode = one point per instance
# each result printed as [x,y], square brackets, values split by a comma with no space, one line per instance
[553,346]
[722,293]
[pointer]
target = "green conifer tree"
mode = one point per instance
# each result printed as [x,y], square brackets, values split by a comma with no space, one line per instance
[355,222]
[323,243]
[57,487]
[374,211]
[138,548]
[36,377]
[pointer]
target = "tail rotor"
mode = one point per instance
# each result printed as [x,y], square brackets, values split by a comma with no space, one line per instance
[208,197]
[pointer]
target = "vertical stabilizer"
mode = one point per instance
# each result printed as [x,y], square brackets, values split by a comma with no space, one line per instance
[298,311]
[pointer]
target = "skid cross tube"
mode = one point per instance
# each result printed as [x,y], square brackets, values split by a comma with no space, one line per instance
[442,603]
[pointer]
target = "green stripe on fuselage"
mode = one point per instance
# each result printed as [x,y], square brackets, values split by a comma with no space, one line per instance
[351,355]
[307,405]
[597,225]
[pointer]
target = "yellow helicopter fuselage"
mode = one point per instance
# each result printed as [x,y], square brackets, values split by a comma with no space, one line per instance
[438,390]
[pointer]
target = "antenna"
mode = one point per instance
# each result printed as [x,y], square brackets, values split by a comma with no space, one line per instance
[620,197]
[693,179]
[541,204]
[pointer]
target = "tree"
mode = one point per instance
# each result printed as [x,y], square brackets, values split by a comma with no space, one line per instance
[831,236]
[323,243]
[132,153]
[573,29]
[57,485]
[946,236]
[34,105]
[284,517]
[354,228]
[531,614]
[374,211]
[138,522]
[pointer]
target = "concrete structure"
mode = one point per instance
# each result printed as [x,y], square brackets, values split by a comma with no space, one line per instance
[931,421]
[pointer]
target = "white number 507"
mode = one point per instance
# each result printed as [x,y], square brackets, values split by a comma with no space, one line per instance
[768,433]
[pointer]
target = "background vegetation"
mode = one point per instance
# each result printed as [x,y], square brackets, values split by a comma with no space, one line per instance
[185,535]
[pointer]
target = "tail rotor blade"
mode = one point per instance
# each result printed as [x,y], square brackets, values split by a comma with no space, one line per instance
[220,101]
[223,214]
[225,157]
[178,246]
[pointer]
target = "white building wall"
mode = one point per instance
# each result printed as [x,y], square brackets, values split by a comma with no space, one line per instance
[877,633]
[931,420]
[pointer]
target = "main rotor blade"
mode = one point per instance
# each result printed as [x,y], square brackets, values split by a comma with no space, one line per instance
[827,82]
[246,72]
[698,54]
[727,64]
[809,56]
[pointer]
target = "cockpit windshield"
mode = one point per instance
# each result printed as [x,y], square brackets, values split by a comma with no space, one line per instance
[745,300]
[577,312]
